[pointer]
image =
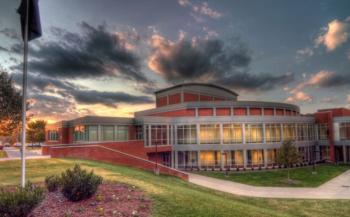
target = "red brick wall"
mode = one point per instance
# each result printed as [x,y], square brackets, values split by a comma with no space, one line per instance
[255,111]
[223,111]
[205,112]
[175,98]
[288,112]
[268,111]
[240,111]
[98,153]
[161,101]
[190,97]
[177,113]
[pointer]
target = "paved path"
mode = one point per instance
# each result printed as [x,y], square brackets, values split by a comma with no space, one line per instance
[15,154]
[337,188]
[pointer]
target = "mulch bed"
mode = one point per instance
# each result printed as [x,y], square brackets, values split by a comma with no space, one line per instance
[110,200]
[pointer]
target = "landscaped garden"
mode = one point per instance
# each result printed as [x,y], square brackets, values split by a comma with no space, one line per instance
[300,176]
[171,196]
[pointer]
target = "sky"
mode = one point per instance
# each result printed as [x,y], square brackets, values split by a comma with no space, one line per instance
[107,57]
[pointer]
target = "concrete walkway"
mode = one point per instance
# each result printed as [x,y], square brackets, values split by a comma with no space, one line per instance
[15,154]
[337,188]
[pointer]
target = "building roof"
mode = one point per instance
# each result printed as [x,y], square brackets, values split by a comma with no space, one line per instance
[197,84]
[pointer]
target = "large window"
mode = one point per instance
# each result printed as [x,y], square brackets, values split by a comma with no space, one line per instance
[209,133]
[92,133]
[289,131]
[311,132]
[79,133]
[302,132]
[187,159]
[108,133]
[322,131]
[139,132]
[253,133]
[236,158]
[344,129]
[233,133]
[271,156]
[186,134]
[53,135]
[159,135]
[210,158]
[121,133]
[255,157]
[273,132]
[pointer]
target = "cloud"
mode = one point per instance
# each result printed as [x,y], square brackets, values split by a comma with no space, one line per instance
[209,60]
[95,53]
[304,53]
[299,96]
[9,33]
[201,9]
[334,35]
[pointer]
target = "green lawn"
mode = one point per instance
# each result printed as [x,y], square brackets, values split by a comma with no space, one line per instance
[174,197]
[302,177]
[3,154]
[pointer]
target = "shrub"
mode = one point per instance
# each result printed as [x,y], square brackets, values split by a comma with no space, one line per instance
[21,201]
[52,182]
[78,184]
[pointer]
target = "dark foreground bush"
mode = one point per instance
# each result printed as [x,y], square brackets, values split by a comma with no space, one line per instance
[78,184]
[21,201]
[52,182]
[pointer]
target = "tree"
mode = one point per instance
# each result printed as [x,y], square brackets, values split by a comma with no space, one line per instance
[36,131]
[10,106]
[288,155]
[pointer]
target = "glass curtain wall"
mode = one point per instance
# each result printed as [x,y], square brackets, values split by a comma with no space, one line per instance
[344,129]
[254,133]
[273,132]
[209,134]
[159,135]
[323,131]
[108,133]
[210,158]
[232,133]
[288,132]
[186,134]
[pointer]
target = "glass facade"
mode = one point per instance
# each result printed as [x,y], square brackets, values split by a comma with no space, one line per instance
[255,157]
[52,135]
[253,133]
[121,133]
[323,132]
[187,159]
[90,133]
[210,158]
[107,133]
[288,132]
[79,133]
[271,156]
[186,134]
[232,133]
[344,131]
[159,135]
[209,134]
[273,132]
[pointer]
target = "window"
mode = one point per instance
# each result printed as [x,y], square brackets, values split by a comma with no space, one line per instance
[92,133]
[273,132]
[53,135]
[187,159]
[232,133]
[322,131]
[79,133]
[271,156]
[236,158]
[186,134]
[209,134]
[344,129]
[255,157]
[139,132]
[159,135]
[302,130]
[121,133]
[289,131]
[107,133]
[253,133]
[210,158]
[311,132]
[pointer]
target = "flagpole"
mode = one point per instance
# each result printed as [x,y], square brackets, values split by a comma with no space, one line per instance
[24,96]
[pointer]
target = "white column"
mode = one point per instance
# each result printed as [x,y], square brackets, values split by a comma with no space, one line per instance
[264,133]
[149,135]
[175,135]
[198,131]
[172,159]
[144,135]
[245,158]
[196,112]
[265,158]
[221,135]
[282,136]
[168,134]
[176,160]
[199,159]
[214,111]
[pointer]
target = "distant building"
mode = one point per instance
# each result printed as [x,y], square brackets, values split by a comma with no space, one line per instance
[206,126]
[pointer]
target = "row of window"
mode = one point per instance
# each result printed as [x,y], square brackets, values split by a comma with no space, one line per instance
[52,135]
[344,130]
[108,133]
[233,133]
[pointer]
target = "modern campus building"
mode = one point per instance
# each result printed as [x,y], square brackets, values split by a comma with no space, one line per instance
[206,126]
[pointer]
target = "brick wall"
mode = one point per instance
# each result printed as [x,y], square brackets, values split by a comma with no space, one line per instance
[109,155]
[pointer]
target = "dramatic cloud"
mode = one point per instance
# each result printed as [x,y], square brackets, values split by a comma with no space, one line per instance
[335,35]
[299,96]
[95,53]
[304,53]
[10,33]
[201,9]
[209,60]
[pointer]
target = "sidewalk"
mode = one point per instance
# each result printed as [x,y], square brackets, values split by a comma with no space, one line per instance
[337,188]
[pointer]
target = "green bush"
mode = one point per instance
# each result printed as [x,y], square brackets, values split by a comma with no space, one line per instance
[78,184]
[21,201]
[52,182]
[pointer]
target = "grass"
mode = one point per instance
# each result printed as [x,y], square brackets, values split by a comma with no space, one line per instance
[173,197]
[302,177]
[3,154]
